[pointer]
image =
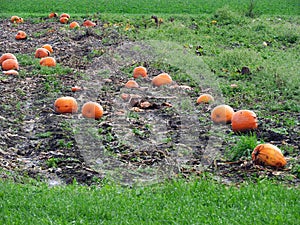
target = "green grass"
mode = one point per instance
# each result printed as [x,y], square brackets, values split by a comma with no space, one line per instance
[274,7]
[174,202]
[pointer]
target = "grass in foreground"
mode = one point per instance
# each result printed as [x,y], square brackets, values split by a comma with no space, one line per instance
[174,202]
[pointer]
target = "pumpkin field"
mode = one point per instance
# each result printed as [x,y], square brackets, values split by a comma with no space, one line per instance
[117,98]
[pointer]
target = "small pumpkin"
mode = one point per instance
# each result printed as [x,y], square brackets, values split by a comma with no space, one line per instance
[65,15]
[14,19]
[66,105]
[205,98]
[11,72]
[48,61]
[222,114]
[269,155]
[244,120]
[88,23]
[48,47]
[63,20]
[140,71]
[52,15]
[41,53]
[74,24]
[162,79]
[10,64]
[92,110]
[6,56]
[21,20]
[21,35]
[76,88]
[131,84]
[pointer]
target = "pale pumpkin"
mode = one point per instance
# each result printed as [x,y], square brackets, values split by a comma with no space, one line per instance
[92,110]
[222,114]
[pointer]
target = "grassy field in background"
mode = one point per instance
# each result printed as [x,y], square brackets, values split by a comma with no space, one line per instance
[174,202]
[234,41]
[275,7]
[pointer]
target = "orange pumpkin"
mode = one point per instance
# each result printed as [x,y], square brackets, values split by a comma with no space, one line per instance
[63,20]
[205,98]
[66,105]
[48,61]
[88,23]
[14,19]
[162,79]
[52,15]
[48,47]
[20,20]
[131,84]
[139,71]
[269,155]
[244,120]
[41,53]
[74,24]
[65,15]
[6,56]
[10,64]
[76,88]
[21,35]
[10,72]
[92,110]
[222,114]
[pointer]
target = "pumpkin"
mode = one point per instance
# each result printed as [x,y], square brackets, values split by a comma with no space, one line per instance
[6,56]
[222,114]
[92,110]
[20,20]
[21,35]
[269,155]
[48,61]
[139,71]
[10,64]
[48,47]
[243,120]
[131,84]
[88,23]
[76,88]
[66,105]
[52,15]
[14,19]
[65,15]
[63,20]
[205,98]
[41,53]
[162,79]
[10,72]
[74,24]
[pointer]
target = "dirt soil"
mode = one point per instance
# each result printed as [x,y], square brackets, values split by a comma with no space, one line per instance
[142,138]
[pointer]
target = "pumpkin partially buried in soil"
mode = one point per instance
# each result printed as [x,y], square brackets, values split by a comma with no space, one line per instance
[268,155]
[131,84]
[205,98]
[6,56]
[244,120]
[21,35]
[10,72]
[88,23]
[139,71]
[48,47]
[92,110]
[162,79]
[41,53]
[74,24]
[222,114]
[48,61]
[66,105]
[10,64]
[14,19]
